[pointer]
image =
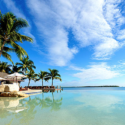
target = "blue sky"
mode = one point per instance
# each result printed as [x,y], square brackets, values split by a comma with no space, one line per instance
[83,39]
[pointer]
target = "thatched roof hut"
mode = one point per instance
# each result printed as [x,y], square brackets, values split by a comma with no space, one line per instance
[8,80]
[4,87]
[3,74]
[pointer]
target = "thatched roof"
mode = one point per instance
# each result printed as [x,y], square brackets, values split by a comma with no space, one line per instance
[3,75]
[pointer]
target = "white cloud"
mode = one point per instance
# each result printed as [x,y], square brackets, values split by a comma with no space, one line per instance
[105,49]
[121,35]
[113,13]
[95,72]
[105,103]
[56,37]
[58,49]
[92,23]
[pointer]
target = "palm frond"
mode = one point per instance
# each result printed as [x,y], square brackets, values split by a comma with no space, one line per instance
[8,49]
[9,33]
[7,56]
[26,38]
[19,23]
[58,78]
[19,50]
[47,78]
[18,63]
[58,75]
[37,80]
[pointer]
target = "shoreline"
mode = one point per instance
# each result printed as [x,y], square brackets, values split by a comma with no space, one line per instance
[87,86]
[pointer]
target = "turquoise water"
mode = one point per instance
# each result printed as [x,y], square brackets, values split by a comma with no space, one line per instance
[72,106]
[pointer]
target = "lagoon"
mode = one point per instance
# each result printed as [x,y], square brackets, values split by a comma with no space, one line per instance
[72,106]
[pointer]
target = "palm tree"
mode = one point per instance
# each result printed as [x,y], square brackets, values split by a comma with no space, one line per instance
[15,68]
[31,76]
[5,53]
[9,34]
[4,67]
[56,103]
[26,64]
[44,103]
[53,74]
[42,75]
[26,115]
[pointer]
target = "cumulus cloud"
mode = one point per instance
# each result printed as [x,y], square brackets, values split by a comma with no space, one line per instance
[49,23]
[92,23]
[95,72]
[106,48]
[112,13]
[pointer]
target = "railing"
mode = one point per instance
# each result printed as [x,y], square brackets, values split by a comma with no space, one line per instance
[40,87]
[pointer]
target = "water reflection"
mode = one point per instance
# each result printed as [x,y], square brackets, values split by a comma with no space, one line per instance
[55,105]
[29,114]
[17,105]
[75,108]
[46,91]
[35,104]
[25,109]
[8,105]
[52,103]
[100,101]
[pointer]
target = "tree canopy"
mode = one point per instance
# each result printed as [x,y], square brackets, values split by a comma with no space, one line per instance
[10,26]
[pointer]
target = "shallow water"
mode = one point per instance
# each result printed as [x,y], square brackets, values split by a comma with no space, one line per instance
[72,106]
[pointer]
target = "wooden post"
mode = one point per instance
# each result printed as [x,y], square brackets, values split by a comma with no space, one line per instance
[16,79]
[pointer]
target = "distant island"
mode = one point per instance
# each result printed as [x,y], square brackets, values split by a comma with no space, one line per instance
[91,86]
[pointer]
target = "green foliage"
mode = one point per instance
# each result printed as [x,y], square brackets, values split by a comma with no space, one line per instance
[15,68]
[5,53]
[4,67]
[31,76]
[53,74]
[10,26]
[42,75]
[26,64]
[10,36]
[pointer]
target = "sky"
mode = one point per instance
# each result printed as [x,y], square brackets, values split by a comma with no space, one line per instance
[83,39]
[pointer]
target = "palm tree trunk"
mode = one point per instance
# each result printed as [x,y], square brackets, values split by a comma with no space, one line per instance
[25,70]
[0,52]
[29,82]
[52,81]
[42,82]
[29,98]
[42,95]
[53,96]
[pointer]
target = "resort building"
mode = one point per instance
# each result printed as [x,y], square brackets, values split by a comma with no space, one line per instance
[7,83]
